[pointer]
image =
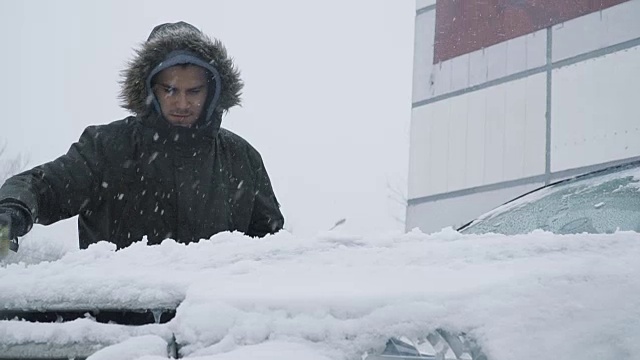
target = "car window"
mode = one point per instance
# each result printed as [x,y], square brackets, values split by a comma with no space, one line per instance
[604,202]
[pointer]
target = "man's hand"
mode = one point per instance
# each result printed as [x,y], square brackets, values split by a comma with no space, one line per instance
[15,220]
[5,230]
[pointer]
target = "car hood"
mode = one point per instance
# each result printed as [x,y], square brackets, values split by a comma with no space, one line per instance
[339,295]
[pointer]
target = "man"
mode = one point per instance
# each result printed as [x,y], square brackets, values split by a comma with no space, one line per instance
[170,171]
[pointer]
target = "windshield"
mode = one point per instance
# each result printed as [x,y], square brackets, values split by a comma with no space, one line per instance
[603,202]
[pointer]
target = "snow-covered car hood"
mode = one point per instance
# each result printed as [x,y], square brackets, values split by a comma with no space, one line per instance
[338,296]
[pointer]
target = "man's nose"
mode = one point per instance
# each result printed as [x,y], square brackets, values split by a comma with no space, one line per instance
[182,101]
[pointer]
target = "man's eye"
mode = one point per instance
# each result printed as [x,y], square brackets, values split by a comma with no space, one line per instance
[195,91]
[169,90]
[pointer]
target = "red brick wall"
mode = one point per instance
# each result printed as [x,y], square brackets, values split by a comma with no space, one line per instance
[463,26]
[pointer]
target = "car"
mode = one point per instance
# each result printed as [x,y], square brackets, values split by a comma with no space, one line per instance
[599,202]
[552,274]
[174,300]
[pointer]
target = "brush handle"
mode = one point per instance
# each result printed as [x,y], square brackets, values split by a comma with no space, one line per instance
[5,242]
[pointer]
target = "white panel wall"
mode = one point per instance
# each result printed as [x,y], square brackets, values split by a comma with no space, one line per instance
[420,152]
[483,137]
[433,216]
[595,111]
[438,141]
[423,54]
[596,30]
[424,3]
[456,161]
[495,62]
[525,140]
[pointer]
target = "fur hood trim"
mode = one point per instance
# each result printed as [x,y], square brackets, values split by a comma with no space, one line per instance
[164,40]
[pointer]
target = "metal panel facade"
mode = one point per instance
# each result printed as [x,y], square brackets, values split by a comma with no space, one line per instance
[491,122]
[595,111]
[596,31]
[483,137]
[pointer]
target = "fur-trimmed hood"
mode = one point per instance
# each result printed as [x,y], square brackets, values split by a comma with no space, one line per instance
[160,49]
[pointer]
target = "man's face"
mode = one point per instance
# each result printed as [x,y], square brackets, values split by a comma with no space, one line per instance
[181,91]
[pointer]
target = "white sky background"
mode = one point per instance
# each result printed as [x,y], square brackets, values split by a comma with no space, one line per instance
[327,99]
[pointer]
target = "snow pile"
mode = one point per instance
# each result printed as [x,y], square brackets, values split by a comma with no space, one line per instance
[133,348]
[81,331]
[338,296]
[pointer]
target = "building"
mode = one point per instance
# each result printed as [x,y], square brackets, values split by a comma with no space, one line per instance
[510,95]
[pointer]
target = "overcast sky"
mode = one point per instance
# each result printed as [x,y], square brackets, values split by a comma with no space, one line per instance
[327,97]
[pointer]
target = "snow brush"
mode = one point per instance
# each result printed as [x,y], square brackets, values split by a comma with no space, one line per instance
[6,243]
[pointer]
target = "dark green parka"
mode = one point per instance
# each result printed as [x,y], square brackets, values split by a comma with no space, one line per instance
[143,176]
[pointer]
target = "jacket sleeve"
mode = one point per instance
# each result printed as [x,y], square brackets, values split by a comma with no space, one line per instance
[266,217]
[59,189]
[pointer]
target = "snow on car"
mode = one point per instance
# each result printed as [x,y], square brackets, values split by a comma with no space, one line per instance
[337,296]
